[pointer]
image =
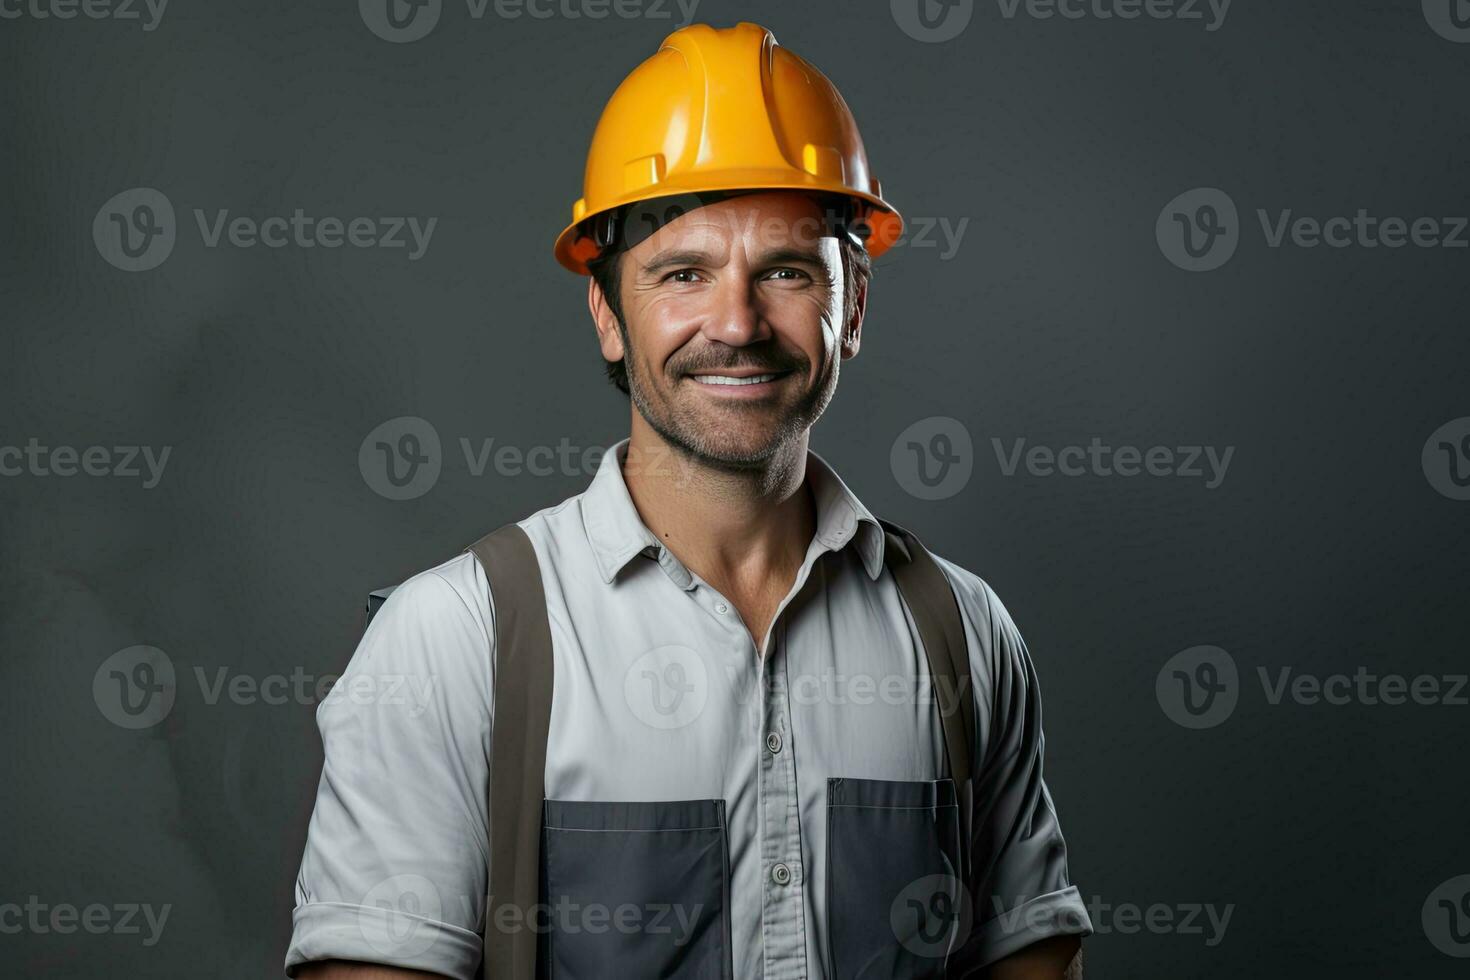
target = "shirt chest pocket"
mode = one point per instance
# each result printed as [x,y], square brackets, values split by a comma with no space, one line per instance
[636,890]
[895,900]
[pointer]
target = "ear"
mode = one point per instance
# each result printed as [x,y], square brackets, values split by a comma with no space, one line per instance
[609,338]
[852,330]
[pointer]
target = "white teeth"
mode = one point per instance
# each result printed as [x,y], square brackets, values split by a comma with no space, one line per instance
[720,379]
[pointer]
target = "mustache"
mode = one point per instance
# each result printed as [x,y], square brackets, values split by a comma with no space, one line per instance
[776,362]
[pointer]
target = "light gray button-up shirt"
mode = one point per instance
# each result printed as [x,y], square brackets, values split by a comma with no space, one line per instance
[662,694]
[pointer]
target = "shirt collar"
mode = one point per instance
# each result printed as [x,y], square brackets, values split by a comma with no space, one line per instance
[616,532]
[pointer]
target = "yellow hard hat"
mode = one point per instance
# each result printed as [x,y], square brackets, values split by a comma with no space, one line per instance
[723,110]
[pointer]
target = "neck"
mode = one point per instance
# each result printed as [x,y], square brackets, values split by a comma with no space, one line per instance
[735,529]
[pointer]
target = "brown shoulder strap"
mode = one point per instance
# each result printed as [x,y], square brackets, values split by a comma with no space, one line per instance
[931,601]
[521,720]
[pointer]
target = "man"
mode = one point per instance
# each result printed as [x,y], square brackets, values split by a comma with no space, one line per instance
[746,763]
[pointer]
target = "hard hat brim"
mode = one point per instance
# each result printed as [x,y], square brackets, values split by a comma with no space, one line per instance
[574,248]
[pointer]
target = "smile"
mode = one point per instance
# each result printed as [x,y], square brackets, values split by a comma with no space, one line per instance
[725,379]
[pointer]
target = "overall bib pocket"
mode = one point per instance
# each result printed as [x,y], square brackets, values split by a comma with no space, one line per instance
[894,894]
[642,889]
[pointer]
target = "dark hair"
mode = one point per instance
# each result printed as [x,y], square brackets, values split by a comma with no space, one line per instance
[857,271]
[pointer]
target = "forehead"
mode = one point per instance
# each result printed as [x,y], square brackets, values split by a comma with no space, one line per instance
[761,221]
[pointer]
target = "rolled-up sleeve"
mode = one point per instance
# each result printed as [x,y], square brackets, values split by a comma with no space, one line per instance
[394,870]
[1019,885]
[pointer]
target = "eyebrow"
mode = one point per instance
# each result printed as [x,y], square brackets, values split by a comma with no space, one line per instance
[682,258]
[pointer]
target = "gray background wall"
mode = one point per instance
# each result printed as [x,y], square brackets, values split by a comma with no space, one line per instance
[1334,544]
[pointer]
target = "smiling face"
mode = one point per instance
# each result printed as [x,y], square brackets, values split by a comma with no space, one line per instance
[735,326]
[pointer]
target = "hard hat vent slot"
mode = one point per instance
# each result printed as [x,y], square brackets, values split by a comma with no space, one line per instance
[823,161]
[644,172]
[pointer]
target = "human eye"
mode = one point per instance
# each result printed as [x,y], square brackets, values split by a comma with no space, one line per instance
[787,275]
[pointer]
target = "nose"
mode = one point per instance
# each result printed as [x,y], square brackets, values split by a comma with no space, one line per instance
[735,317]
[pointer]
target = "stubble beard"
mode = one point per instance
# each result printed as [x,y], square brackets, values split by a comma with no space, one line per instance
[701,442]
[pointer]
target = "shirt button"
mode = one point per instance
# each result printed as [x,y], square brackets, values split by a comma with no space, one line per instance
[773,742]
[781,874]
[721,608]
